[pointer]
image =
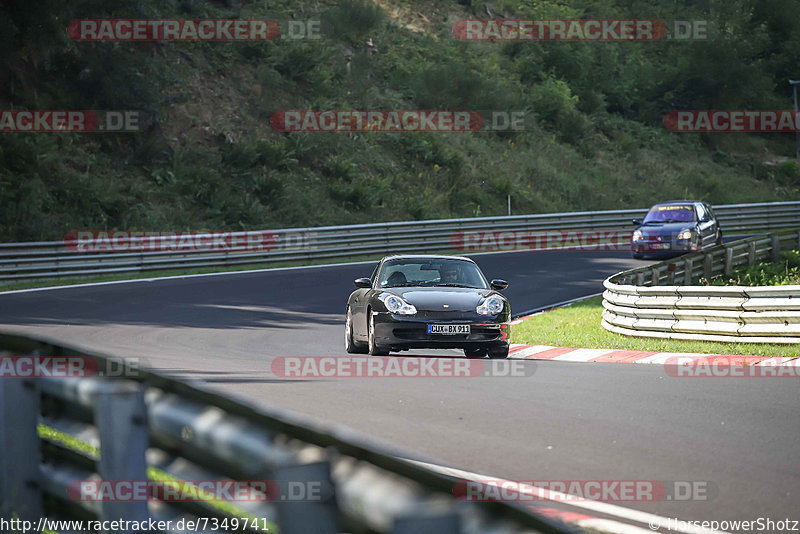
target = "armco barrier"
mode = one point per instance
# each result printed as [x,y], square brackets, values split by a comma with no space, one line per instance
[144,421]
[55,259]
[637,304]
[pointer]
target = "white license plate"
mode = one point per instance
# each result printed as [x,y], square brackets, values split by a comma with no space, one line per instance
[448,329]
[660,246]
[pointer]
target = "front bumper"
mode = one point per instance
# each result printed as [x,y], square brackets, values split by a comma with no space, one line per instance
[398,332]
[652,247]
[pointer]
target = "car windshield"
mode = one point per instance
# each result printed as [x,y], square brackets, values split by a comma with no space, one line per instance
[431,272]
[671,213]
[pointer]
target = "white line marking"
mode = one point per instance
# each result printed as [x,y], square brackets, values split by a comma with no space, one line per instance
[772,362]
[596,506]
[563,303]
[179,276]
[611,527]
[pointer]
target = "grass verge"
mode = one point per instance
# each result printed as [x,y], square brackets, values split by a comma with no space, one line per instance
[182,486]
[578,325]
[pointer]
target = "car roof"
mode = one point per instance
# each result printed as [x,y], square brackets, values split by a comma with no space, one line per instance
[670,202]
[425,257]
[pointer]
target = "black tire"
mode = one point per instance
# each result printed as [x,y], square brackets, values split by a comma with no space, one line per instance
[498,354]
[350,344]
[637,256]
[373,348]
[474,353]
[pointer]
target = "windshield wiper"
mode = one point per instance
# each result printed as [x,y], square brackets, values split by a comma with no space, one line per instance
[452,284]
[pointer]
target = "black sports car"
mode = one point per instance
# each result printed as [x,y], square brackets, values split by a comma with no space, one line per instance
[675,228]
[433,302]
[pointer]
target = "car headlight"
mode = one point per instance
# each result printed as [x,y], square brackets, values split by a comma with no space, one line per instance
[685,234]
[397,305]
[491,306]
[637,235]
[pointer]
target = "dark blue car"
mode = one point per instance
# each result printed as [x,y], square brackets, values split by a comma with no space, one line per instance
[674,228]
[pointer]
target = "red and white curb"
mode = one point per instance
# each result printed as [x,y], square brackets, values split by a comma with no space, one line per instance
[567,354]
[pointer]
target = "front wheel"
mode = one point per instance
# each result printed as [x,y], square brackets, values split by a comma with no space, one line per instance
[499,354]
[374,349]
[349,344]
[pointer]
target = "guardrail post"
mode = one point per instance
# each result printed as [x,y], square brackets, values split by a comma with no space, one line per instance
[439,524]
[640,278]
[653,277]
[751,253]
[708,266]
[671,274]
[776,247]
[688,265]
[307,502]
[20,488]
[728,261]
[121,420]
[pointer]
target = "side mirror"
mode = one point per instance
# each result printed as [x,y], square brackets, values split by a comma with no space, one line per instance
[705,219]
[637,222]
[365,283]
[498,284]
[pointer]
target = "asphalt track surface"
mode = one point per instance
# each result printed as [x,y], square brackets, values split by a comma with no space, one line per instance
[567,421]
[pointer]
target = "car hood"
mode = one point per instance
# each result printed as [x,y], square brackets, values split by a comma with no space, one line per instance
[434,298]
[666,229]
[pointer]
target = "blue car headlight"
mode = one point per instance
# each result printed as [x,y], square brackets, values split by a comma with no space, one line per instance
[399,306]
[685,234]
[491,306]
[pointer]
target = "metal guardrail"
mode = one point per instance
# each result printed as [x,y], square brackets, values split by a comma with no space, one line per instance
[143,420]
[55,259]
[660,301]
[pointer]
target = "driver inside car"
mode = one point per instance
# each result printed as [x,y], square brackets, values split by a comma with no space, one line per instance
[450,274]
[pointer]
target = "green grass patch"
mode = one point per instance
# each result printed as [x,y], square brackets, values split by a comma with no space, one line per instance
[68,442]
[779,273]
[578,325]
[153,473]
